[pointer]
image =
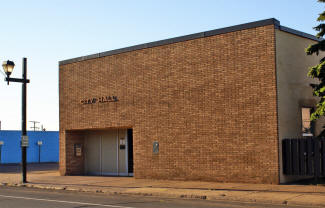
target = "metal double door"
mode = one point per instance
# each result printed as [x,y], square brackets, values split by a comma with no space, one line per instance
[106,153]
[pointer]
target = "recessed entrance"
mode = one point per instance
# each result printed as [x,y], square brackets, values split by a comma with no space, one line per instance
[107,152]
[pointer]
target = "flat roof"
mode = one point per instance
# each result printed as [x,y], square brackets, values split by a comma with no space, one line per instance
[250,25]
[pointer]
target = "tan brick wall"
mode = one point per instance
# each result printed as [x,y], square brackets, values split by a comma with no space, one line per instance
[62,159]
[210,102]
[74,164]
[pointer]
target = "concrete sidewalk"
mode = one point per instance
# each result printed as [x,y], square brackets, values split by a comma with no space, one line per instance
[308,195]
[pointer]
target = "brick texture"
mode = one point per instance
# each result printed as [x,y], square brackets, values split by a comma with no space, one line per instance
[74,165]
[210,102]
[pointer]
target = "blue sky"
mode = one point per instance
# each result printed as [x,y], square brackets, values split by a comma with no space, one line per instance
[49,31]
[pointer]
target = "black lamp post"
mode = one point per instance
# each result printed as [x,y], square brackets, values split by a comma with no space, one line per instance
[8,67]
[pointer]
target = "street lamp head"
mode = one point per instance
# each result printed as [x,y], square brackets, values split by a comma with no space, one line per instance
[8,67]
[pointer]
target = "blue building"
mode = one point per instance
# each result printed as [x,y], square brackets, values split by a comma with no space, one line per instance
[43,146]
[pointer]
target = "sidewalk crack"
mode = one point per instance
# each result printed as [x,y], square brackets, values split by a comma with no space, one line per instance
[290,198]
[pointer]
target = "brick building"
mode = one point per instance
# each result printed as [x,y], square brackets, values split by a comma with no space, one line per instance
[210,106]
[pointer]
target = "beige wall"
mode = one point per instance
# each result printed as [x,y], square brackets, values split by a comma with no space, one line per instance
[294,91]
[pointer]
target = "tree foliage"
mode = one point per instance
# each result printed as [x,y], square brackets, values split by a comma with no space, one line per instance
[318,71]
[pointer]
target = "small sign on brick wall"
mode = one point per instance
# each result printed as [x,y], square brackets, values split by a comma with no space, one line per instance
[155,148]
[78,150]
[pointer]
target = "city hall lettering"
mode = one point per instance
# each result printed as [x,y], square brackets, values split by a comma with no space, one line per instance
[99,100]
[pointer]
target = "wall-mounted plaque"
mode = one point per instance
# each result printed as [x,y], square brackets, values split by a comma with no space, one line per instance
[155,147]
[78,150]
[122,143]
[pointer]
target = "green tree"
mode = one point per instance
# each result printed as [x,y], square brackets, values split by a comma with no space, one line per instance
[318,71]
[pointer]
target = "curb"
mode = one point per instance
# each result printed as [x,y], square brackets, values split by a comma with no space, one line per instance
[211,195]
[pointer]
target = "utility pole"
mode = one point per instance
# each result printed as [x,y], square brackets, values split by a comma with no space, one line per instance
[34,127]
[42,128]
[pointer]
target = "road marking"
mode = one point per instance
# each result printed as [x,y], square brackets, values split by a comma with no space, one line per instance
[59,201]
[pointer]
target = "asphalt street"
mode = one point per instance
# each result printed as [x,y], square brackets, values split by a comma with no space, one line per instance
[11,197]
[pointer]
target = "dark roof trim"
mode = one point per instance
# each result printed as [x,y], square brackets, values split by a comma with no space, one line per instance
[299,33]
[261,23]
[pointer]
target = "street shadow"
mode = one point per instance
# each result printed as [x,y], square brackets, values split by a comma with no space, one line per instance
[16,168]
